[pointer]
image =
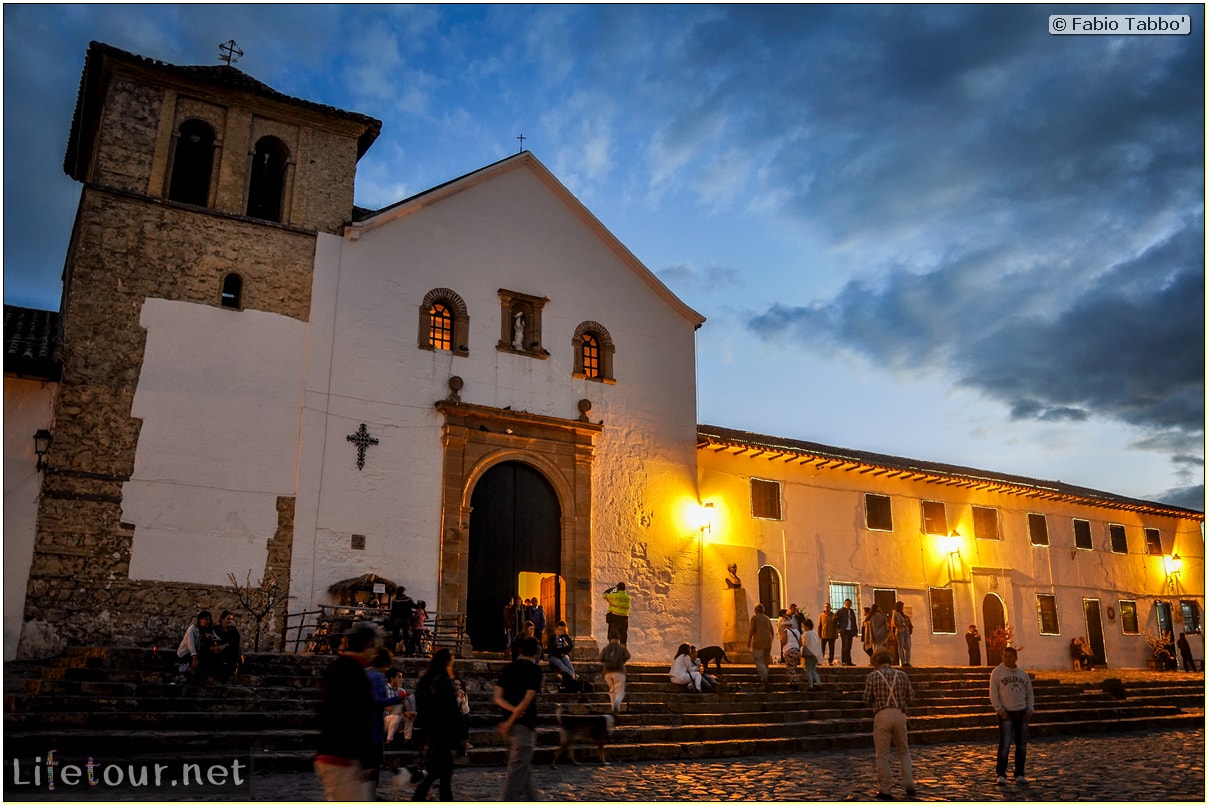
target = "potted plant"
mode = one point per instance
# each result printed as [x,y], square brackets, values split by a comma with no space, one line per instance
[998,640]
[1162,654]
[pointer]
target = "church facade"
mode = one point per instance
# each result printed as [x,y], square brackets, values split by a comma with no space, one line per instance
[475,392]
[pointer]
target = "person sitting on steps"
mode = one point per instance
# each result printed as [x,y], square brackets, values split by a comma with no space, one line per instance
[559,650]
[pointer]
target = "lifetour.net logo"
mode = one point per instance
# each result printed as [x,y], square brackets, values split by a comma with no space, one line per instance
[62,777]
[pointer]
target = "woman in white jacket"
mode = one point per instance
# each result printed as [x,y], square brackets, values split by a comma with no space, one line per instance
[812,651]
[683,672]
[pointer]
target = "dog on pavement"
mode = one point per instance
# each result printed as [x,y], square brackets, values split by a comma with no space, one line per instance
[595,728]
[712,653]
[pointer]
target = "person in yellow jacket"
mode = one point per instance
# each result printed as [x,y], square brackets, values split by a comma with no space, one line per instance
[618,617]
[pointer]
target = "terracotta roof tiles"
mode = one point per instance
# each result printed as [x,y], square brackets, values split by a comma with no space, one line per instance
[31,343]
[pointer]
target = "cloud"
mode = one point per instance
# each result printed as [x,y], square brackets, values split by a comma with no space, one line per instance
[689,278]
[1188,497]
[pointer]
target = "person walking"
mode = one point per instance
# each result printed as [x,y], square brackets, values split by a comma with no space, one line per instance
[879,631]
[847,624]
[346,753]
[516,694]
[440,719]
[902,628]
[618,615]
[612,659]
[812,653]
[829,630]
[792,650]
[888,692]
[759,641]
[1012,699]
[972,641]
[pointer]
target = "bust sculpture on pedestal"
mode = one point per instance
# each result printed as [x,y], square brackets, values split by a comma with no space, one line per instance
[735,618]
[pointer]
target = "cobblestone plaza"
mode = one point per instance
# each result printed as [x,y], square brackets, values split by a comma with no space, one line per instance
[1141,766]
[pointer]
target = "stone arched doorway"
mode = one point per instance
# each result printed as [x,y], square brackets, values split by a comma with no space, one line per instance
[994,617]
[515,528]
[476,440]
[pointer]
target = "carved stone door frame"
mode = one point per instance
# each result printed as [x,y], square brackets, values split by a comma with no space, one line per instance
[475,439]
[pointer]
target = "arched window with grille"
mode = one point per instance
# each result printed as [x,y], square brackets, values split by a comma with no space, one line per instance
[593,348]
[444,322]
[266,185]
[440,328]
[192,163]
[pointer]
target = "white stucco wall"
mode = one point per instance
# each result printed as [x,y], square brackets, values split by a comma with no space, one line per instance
[27,407]
[220,396]
[512,232]
[823,538]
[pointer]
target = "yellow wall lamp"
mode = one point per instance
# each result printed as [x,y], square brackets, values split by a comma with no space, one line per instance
[1172,565]
[952,546]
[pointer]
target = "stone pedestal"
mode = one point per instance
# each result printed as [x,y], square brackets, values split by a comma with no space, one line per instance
[736,621]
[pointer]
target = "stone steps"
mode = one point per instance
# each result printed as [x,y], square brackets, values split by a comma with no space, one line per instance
[129,703]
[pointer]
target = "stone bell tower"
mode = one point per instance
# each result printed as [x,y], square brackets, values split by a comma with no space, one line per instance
[200,185]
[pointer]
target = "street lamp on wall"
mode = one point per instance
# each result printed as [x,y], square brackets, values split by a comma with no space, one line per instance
[42,440]
[1172,566]
[952,545]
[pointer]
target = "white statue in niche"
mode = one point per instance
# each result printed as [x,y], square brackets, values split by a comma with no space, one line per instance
[518,330]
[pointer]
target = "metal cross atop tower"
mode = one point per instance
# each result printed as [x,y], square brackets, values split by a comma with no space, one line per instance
[521,137]
[362,440]
[229,52]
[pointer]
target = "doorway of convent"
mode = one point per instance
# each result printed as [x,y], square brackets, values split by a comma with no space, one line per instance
[770,590]
[1095,630]
[994,617]
[514,533]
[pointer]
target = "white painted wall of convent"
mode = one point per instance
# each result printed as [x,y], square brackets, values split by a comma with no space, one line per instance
[219,396]
[27,407]
[364,365]
[825,540]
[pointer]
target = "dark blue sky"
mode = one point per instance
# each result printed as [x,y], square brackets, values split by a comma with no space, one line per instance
[932,231]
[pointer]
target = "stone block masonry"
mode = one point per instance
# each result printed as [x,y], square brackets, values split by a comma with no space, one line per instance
[127,249]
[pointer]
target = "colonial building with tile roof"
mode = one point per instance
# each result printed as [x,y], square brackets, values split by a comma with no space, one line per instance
[474,392]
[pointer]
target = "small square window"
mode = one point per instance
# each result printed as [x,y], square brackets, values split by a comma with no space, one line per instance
[1154,543]
[358,543]
[1116,537]
[766,499]
[934,519]
[877,513]
[940,601]
[1129,616]
[1082,534]
[1047,613]
[1038,530]
[986,523]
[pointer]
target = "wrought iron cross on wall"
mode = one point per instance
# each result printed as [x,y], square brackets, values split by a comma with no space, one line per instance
[362,440]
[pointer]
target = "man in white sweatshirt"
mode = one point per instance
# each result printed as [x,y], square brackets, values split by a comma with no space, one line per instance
[1012,699]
